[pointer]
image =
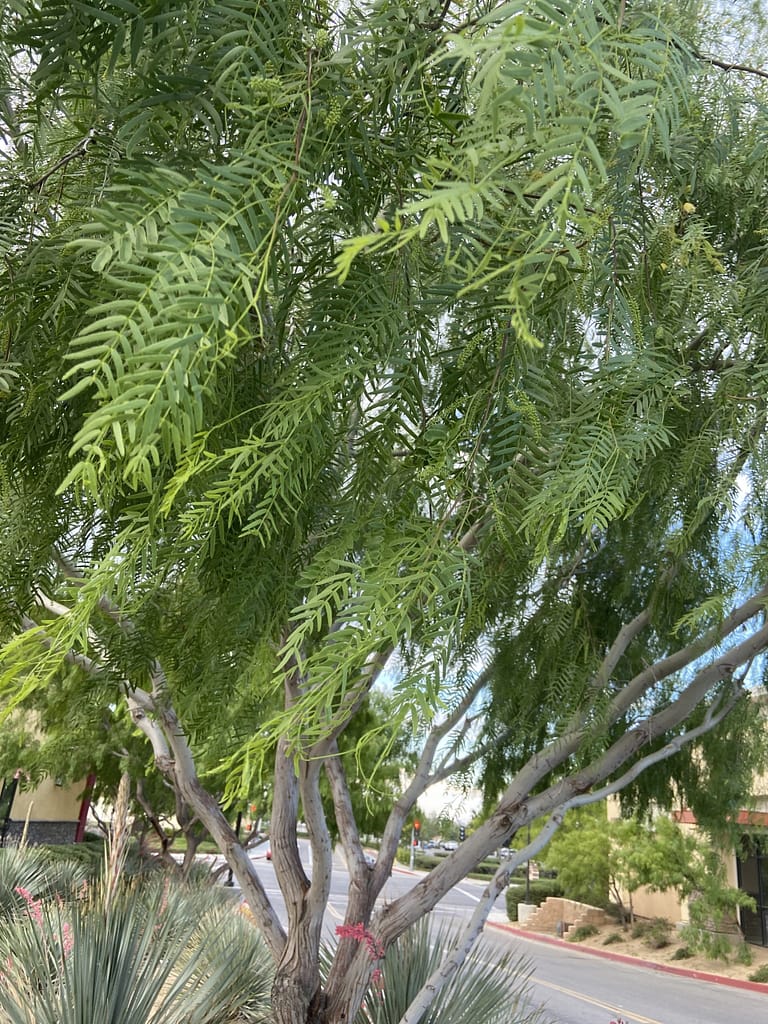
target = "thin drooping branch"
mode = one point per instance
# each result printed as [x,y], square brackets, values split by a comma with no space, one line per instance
[449,768]
[155,824]
[423,776]
[80,149]
[82,661]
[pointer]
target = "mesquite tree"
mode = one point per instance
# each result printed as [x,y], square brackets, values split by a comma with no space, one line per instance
[345,336]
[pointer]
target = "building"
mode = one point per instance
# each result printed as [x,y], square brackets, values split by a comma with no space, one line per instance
[746,869]
[50,813]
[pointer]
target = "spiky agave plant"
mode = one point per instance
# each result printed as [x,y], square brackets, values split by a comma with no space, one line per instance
[489,989]
[144,956]
[32,871]
[242,994]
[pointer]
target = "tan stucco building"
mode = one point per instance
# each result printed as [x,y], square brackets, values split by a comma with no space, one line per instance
[50,813]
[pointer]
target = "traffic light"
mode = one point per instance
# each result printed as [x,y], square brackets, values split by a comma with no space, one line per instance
[416,831]
[462,833]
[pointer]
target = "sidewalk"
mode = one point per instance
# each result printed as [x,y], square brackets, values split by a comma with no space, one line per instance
[499,920]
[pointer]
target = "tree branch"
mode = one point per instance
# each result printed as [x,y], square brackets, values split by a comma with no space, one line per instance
[451,964]
[518,808]
[727,65]
[155,716]
[79,150]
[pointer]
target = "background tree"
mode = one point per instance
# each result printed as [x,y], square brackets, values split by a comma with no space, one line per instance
[340,336]
[580,853]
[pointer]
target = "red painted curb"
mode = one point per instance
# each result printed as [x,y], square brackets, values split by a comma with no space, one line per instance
[634,961]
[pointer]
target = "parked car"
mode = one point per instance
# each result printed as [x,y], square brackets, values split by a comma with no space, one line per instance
[450,845]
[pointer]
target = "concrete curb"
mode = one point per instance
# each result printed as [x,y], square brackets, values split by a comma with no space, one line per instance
[633,961]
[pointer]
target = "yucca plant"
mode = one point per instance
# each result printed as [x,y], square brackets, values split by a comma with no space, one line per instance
[491,989]
[151,955]
[239,993]
[33,872]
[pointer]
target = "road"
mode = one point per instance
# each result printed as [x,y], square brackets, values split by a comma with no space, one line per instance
[575,987]
[457,904]
[579,988]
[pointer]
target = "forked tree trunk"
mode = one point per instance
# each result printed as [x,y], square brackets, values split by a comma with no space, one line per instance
[291,1003]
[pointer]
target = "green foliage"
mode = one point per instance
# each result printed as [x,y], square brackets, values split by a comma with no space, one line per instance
[760,975]
[682,953]
[338,335]
[537,891]
[580,852]
[743,954]
[584,931]
[657,856]
[291,318]
[484,993]
[157,953]
[713,913]
[654,933]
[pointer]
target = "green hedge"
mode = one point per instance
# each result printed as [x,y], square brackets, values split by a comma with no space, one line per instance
[540,890]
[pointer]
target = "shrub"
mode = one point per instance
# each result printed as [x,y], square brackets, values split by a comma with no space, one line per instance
[682,953]
[657,936]
[613,938]
[714,945]
[760,975]
[540,890]
[654,933]
[32,871]
[155,950]
[584,931]
[485,869]
[743,954]
[486,990]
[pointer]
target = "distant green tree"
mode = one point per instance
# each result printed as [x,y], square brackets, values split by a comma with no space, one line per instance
[580,853]
[655,855]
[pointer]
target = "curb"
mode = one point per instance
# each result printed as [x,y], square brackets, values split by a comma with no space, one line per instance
[632,961]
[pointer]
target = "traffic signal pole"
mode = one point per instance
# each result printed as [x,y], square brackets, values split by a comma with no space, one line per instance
[415,833]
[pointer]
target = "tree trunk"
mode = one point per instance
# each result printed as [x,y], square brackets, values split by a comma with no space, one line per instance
[297,997]
[349,990]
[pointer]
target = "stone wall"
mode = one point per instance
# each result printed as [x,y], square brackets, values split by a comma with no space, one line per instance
[56,833]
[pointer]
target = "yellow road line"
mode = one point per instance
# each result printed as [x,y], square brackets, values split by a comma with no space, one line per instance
[610,1007]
